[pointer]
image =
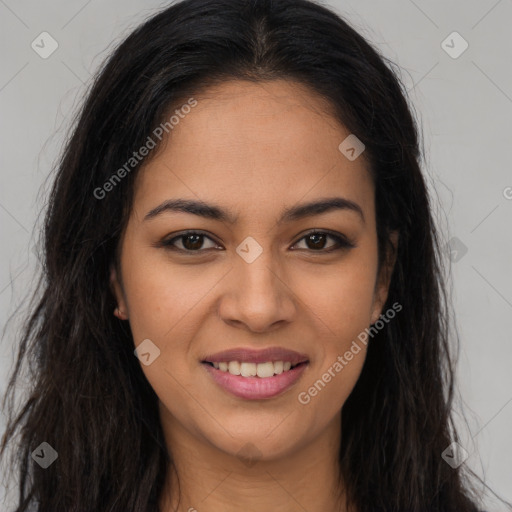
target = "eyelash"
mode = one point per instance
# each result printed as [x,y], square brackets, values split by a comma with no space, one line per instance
[341,242]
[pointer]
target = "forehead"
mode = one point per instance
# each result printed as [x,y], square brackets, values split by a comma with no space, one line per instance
[255,145]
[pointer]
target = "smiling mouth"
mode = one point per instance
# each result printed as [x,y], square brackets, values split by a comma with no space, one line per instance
[260,370]
[255,381]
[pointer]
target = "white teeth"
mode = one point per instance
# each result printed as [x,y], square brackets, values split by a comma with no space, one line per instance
[234,367]
[261,370]
[248,369]
[265,369]
[278,367]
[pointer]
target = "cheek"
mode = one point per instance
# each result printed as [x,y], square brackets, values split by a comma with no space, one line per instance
[342,297]
[165,306]
[168,304]
[342,303]
[161,296]
[328,389]
[341,356]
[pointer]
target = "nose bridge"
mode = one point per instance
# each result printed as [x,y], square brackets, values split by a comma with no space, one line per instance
[259,277]
[258,297]
[256,272]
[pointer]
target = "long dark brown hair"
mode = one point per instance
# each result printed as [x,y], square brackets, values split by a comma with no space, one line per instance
[88,396]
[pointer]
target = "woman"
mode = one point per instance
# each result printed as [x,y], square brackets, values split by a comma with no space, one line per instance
[240,206]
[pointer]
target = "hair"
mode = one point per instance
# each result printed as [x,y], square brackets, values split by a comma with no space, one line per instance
[88,397]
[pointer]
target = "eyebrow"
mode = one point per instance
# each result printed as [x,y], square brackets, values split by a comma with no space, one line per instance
[210,211]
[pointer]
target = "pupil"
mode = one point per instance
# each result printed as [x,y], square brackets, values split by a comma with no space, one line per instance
[196,241]
[317,239]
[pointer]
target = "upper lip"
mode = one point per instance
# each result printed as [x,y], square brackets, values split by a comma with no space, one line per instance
[248,355]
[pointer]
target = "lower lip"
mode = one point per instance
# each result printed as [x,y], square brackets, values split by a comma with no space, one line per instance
[256,388]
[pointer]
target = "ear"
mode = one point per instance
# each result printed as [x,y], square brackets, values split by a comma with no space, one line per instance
[117,289]
[384,278]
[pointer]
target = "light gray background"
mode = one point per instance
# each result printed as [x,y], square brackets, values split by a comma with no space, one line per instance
[465,105]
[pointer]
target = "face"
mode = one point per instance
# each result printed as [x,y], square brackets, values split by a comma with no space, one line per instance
[225,260]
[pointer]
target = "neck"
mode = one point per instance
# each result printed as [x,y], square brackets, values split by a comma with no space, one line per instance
[206,479]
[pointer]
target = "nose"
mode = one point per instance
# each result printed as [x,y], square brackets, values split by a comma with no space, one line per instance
[258,296]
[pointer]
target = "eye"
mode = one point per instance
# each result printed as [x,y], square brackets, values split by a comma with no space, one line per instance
[316,241]
[190,241]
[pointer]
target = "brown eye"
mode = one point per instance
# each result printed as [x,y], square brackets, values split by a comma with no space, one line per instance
[317,240]
[190,242]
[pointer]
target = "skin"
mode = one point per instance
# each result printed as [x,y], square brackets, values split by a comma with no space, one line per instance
[254,150]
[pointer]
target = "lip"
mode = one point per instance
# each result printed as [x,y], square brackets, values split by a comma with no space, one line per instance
[255,388]
[248,355]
